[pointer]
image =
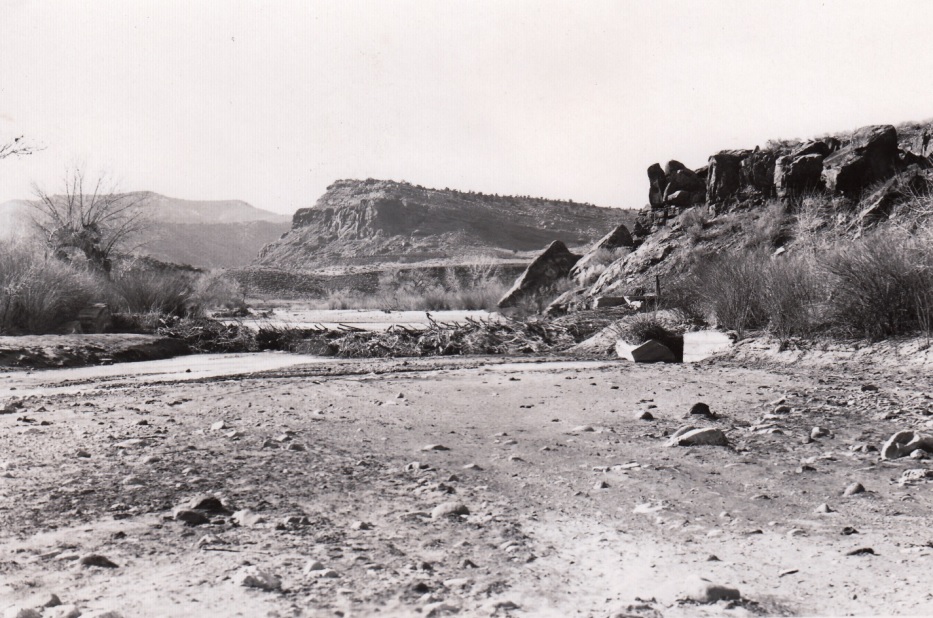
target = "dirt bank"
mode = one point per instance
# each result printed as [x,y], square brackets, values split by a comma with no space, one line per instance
[575,505]
[49,351]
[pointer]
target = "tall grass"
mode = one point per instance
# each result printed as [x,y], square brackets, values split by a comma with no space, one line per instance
[39,293]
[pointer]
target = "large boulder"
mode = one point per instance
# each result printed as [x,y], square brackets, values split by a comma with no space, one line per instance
[657,181]
[683,181]
[542,275]
[618,239]
[796,174]
[758,171]
[871,155]
[651,351]
[724,177]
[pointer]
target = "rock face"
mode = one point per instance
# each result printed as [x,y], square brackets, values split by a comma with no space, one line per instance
[360,222]
[725,175]
[541,275]
[798,174]
[619,238]
[869,157]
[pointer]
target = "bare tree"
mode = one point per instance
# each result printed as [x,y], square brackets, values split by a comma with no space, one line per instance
[90,217]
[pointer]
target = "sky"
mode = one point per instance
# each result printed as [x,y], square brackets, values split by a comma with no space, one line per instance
[270,102]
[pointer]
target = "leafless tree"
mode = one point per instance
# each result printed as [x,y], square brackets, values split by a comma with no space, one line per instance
[89,217]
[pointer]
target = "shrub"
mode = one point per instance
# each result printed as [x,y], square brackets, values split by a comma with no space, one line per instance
[882,285]
[790,294]
[139,290]
[38,294]
[215,290]
[730,289]
[644,326]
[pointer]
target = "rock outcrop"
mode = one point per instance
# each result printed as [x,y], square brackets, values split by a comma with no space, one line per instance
[542,275]
[375,222]
[870,156]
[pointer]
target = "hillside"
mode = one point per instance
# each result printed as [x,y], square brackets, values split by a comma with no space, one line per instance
[379,222]
[206,234]
[832,234]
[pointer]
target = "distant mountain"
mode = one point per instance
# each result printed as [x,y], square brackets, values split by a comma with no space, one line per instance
[207,234]
[164,209]
[380,222]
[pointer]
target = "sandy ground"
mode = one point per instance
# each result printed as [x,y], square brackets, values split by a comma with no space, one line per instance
[573,506]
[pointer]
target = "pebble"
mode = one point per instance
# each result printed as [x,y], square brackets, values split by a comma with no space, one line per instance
[218,426]
[644,416]
[82,453]
[515,458]
[701,409]
[583,429]
[510,442]
[796,532]
[782,409]
[361,525]
[848,531]
[853,489]
[713,558]
[53,601]
[133,480]
[601,485]
[788,572]
[416,465]
[819,432]
[918,454]
[254,577]
[104,613]
[97,560]
[472,466]
[434,447]
[861,551]
[824,508]
[449,509]
[295,446]
[869,388]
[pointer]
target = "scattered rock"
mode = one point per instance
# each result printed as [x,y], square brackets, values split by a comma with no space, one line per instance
[915,475]
[97,560]
[190,517]
[254,577]
[701,409]
[248,518]
[644,415]
[62,611]
[582,429]
[904,443]
[435,447]
[449,510]
[208,503]
[819,432]
[361,525]
[708,436]
[218,426]
[82,453]
[707,592]
[854,489]
[601,485]
[824,508]
[472,466]
[861,551]
[21,612]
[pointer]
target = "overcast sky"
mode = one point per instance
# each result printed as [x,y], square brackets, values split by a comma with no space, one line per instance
[270,102]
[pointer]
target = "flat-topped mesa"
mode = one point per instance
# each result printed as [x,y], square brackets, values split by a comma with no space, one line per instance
[359,220]
[843,165]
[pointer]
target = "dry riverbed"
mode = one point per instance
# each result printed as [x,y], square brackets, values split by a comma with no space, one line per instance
[463,486]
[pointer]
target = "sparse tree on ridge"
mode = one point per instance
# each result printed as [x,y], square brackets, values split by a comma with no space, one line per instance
[89,218]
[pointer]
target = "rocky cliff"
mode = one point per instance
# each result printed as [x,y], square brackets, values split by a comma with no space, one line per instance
[759,198]
[378,222]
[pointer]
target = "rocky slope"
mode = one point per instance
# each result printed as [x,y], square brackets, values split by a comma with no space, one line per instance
[378,222]
[757,198]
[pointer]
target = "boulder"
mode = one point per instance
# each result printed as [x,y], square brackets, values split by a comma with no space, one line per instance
[796,174]
[650,351]
[657,180]
[683,180]
[542,275]
[871,155]
[724,178]
[917,141]
[758,171]
[706,436]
